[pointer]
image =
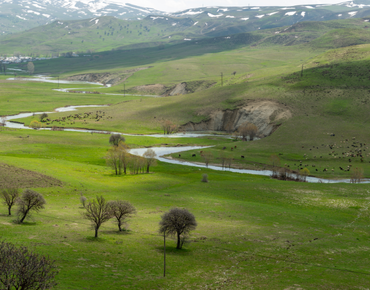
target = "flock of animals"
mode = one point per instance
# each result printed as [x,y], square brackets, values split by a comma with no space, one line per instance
[70,119]
[344,152]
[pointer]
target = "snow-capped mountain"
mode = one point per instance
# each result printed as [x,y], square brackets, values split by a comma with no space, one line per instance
[20,15]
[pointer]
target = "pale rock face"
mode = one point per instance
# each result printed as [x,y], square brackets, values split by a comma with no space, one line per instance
[264,114]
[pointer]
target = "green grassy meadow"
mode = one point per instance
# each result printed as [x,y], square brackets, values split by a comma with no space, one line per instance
[253,232]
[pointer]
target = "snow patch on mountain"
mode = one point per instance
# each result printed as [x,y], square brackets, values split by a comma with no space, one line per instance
[291,13]
[215,16]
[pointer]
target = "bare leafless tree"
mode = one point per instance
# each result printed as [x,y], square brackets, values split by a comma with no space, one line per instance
[357,175]
[121,210]
[124,156]
[179,222]
[168,127]
[252,131]
[224,158]
[29,201]
[207,157]
[247,129]
[137,164]
[23,270]
[150,160]
[113,160]
[98,212]
[118,157]
[275,163]
[31,68]
[10,197]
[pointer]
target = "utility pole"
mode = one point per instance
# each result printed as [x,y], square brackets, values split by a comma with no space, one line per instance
[222,79]
[164,260]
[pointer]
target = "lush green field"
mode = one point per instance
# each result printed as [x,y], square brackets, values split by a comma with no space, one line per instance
[253,232]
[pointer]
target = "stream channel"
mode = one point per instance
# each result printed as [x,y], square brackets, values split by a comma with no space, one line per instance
[160,151]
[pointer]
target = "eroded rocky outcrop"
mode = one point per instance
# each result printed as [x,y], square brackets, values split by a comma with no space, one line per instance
[106,78]
[175,90]
[266,115]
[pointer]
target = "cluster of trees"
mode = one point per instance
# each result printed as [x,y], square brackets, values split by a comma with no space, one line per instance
[169,127]
[119,158]
[247,130]
[100,211]
[225,159]
[283,173]
[27,202]
[176,222]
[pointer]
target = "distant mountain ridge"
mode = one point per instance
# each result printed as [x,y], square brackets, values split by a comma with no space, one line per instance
[20,15]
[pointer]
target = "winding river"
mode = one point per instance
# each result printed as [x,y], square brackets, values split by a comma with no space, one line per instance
[161,152]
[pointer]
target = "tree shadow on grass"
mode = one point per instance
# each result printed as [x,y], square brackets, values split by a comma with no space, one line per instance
[117,232]
[92,239]
[25,223]
[172,251]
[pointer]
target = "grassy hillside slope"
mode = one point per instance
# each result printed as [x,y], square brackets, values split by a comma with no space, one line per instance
[109,33]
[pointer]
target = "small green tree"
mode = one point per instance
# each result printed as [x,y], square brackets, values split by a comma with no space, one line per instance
[29,201]
[115,139]
[10,197]
[98,212]
[150,160]
[179,222]
[304,173]
[121,210]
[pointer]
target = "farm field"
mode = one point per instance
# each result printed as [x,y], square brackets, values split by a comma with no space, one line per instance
[253,232]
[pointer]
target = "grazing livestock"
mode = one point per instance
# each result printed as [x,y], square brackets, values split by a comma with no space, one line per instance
[242,156]
[194,155]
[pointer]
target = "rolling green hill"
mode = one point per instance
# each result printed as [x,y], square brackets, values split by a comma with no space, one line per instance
[109,33]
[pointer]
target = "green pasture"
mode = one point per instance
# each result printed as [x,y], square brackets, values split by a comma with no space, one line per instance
[253,232]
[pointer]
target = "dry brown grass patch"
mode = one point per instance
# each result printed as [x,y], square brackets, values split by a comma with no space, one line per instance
[15,177]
